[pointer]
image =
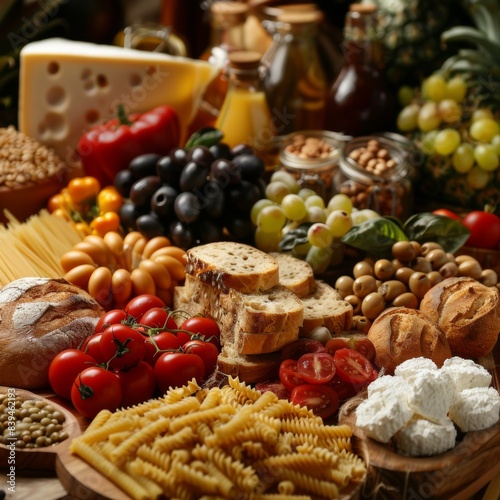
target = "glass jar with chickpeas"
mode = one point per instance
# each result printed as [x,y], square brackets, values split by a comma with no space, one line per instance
[375,173]
[312,157]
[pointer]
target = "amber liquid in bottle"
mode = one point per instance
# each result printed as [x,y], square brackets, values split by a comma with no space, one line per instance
[360,101]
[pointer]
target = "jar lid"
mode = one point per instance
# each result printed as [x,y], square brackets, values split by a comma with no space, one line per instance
[229,12]
[362,8]
[291,16]
[244,59]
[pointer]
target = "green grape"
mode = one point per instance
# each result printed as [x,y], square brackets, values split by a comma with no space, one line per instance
[359,216]
[456,89]
[428,117]
[339,201]
[436,88]
[267,242]
[271,219]
[478,178]
[339,223]
[405,95]
[484,129]
[428,140]
[293,207]
[276,191]
[319,235]
[447,141]
[463,158]
[486,157]
[450,111]
[495,142]
[304,193]
[480,113]
[289,226]
[316,214]
[407,119]
[315,200]
[287,178]
[257,207]
[319,258]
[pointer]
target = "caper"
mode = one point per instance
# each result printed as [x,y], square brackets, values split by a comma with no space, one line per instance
[403,274]
[362,268]
[428,246]
[470,268]
[448,270]
[419,284]
[383,269]
[488,277]
[437,258]
[421,264]
[343,285]
[391,289]
[403,251]
[373,304]
[364,285]
[407,299]
[436,277]
[361,323]
[355,302]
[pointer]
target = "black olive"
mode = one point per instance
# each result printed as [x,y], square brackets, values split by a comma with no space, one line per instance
[144,165]
[221,150]
[179,155]
[207,231]
[201,155]
[187,207]
[169,170]
[243,196]
[225,172]
[241,229]
[123,182]
[143,189]
[181,235]
[150,225]
[193,176]
[211,199]
[242,149]
[252,167]
[162,201]
[128,215]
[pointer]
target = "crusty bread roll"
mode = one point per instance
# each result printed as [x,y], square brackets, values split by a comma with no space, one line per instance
[229,265]
[296,274]
[41,317]
[401,333]
[468,313]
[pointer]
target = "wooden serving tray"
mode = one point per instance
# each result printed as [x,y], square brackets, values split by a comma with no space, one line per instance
[40,458]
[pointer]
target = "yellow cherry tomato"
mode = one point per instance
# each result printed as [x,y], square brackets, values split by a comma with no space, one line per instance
[109,221]
[57,201]
[109,200]
[83,188]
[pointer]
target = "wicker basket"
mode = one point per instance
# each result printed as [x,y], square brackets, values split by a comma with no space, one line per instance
[489,259]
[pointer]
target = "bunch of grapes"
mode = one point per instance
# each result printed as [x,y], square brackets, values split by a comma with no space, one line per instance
[317,226]
[461,137]
[195,196]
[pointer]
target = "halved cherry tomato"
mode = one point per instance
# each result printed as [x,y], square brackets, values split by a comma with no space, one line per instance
[159,343]
[276,387]
[296,348]
[96,389]
[204,326]
[158,317]
[289,374]
[138,305]
[64,368]
[319,398]
[447,213]
[138,384]
[112,317]
[352,366]
[356,341]
[122,346]
[176,369]
[344,390]
[316,367]
[206,350]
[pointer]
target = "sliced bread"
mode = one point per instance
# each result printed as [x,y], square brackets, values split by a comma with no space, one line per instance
[325,307]
[229,265]
[296,274]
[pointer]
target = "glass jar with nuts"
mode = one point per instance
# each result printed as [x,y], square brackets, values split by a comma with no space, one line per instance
[312,156]
[375,173]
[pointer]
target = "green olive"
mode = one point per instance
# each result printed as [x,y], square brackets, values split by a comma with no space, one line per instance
[364,285]
[462,258]
[428,246]
[437,258]
[448,270]
[391,289]
[435,277]
[407,299]
[355,303]
[343,285]
[403,251]
[361,323]
[384,269]
[419,284]
[488,277]
[373,304]
[417,246]
[421,264]
[362,268]
[470,268]
[403,274]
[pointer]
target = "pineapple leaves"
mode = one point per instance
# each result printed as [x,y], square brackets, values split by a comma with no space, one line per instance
[474,36]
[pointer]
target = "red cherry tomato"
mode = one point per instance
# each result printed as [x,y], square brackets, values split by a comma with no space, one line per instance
[316,367]
[158,317]
[92,347]
[319,398]
[289,374]
[296,348]
[356,341]
[176,369]
[344,390]
[447,213]
[162,341]
[276,387]
[122,346]
[138,305]
[484,229]
[352,366]
[207,351]
[138,384]
[204,326]
[96,389]
[65,367]
[113,317]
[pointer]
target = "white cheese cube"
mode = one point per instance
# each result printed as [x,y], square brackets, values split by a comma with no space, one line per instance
[476,409]
[420,438]
[466,374]
[412,367]
[382,415]
[389,383]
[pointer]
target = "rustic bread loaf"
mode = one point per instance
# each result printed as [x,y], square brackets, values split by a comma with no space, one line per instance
[41,317]
[296,274]
[229,265]
[468,313]
[401,333]
[325,307]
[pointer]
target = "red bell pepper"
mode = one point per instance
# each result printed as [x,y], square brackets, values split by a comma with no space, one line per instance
[108,148]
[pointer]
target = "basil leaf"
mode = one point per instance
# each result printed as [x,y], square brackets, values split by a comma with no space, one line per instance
[206,136]
[295,237]
[375,236]
[426,226]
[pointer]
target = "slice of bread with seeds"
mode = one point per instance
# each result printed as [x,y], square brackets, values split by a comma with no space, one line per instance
[296,274]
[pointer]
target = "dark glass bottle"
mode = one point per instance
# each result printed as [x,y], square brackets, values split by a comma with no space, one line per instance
[360,101]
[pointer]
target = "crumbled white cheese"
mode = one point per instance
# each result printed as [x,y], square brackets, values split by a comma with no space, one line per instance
[389,383]
[420,437]
[466,374]
[411,367]
[382,415]
[476,409]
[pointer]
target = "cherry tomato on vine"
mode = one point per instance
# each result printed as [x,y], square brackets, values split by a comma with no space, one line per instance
[289,374]
[64,368]
[484,229]
[158,317]
[155,344]
[176,369]
[352,366]
[92,347]
[138,384]
[319,398]
[447,213]
[122,346]
[206,350]
[112,317]
[138,305]
[204,326]
[316,367]
[96,389]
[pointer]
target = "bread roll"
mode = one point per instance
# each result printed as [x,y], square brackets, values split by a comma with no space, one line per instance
[401,333]
[41,317]
[468,313]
